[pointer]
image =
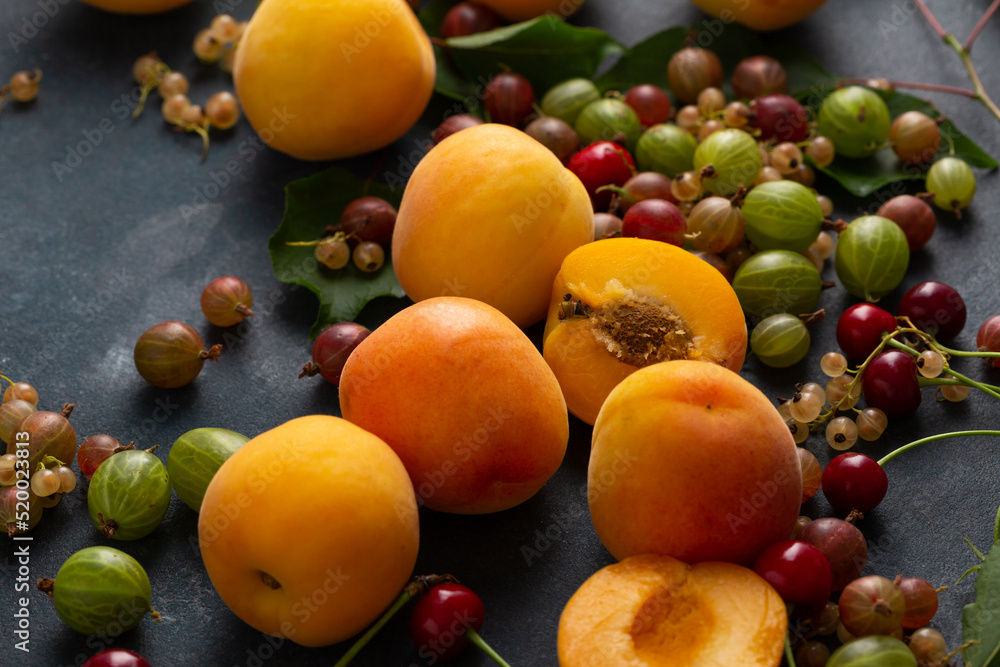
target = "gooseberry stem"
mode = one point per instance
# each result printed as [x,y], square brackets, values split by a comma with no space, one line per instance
[932,438]
[484,647]
[417,586]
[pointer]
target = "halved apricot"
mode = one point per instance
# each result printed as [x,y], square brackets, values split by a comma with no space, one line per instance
[655,611]
[621,304]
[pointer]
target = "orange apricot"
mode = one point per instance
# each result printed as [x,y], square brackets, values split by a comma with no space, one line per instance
[466,401]
[690,460]
[621,304]
[655,611]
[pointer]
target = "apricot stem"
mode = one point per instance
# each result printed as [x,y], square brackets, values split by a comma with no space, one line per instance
[416,586]
[931,438]
[486,648]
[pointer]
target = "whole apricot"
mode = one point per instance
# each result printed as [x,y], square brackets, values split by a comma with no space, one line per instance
[136,6]
[761,14]
[465,400]
[522,10]
[309,531]
[489,214]
[329,79]
[690,460]
[656,611]
[621,304]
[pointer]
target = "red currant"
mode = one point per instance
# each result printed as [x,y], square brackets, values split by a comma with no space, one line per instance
[441,618]
[988,337]
[779,118]
[798,571]
[116,657]
[650,103]
[655,219]
[843,545]
[509,98]
[468,18]
[854,481]
[860,329]
[889,383]
[453,124]
[914,216]
[935,308]
[602,163]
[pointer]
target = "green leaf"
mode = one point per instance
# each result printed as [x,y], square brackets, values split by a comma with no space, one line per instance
[981,620]
[979,554]
[545,49]
[646,62]
[311,204]
[974,568]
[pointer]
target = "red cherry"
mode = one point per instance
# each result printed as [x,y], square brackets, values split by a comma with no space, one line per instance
[116,657]
[935,308]
[889,383]
[509,98]
[655,219]
[468,18]
[602,163]
[441,618]
[798,571]
[854,481]
[988,337]
[779,117]
[650,103]
[860,329]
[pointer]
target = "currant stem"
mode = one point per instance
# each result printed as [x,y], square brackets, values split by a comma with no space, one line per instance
[965,353]
[939,381]
[937,88]
[922,441]
[935,25]
[981,24]
[961,379]
[481,643]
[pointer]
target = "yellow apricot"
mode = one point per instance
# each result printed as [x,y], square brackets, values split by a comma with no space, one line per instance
[622,304]
[689,460]
[136,6]
[464,399]
[761,14]
[489,214]
[522,10]
[309,531]
[329,79]
[655,611]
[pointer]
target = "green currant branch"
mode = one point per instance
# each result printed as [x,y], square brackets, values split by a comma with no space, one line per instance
[932,438]
[963,52]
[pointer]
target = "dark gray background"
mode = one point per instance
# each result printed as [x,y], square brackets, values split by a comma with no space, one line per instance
[91,260]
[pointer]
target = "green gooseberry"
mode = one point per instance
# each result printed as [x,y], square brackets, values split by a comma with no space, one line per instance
[782,215]
[734,160]
[667,149]
[102,591]
[129,495]
[194,459]
[871,257]
[777,281]
[566,100]
[780,340]
[873,651]
[952,182]
[608,119]
[856,120]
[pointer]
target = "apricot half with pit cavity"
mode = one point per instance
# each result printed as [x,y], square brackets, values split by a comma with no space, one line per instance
[621,304]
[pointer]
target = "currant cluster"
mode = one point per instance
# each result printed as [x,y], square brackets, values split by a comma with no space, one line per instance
[22,87]
[217,43]
[34,471]
[366,225]
[221,111]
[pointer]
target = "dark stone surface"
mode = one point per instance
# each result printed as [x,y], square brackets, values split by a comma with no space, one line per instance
[94,256]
